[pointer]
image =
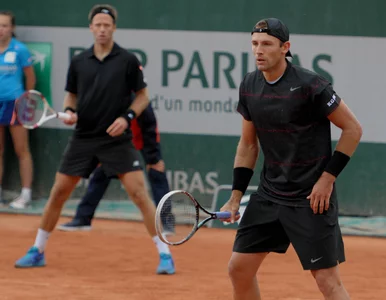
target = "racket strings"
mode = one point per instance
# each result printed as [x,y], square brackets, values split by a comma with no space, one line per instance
[29,109]
[178,218]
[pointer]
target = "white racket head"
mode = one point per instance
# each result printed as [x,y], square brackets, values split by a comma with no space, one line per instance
[176,217]
[32,109]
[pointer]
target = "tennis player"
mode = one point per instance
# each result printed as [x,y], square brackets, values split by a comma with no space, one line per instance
[99,83]
[288,111]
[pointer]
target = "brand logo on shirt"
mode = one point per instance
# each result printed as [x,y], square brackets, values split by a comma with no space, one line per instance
[331,102]
[295,88]
[10,57]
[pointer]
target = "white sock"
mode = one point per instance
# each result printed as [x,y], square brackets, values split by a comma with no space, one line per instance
[161,246]
[41,239]
[26,193]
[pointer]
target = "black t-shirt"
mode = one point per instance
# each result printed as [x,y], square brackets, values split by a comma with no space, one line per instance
[103,89]
[290,117]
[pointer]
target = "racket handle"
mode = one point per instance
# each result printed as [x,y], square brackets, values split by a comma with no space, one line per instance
[224,214]
[63,116]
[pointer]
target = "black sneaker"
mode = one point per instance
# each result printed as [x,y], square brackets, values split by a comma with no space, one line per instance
[75,225]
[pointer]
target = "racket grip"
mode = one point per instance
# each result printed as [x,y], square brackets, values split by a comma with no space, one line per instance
[63,116]
[224,214]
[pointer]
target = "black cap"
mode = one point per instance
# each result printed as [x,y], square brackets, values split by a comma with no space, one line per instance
[275,28]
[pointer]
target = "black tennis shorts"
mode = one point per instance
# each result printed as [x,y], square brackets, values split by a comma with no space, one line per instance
[116,156]
[270,227]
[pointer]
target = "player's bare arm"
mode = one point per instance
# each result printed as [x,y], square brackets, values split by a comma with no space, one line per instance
[344,119]
[30,78]
[246,156]
[69,107]
[248,147]
[351,134]
[139,104]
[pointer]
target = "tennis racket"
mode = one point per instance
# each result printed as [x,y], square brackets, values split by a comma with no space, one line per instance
[178,217]
[32,110]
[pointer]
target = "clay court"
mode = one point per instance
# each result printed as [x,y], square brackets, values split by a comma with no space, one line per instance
[117,260]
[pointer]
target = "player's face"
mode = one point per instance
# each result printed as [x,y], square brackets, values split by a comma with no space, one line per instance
[267,50]
[6,28]
[103,28]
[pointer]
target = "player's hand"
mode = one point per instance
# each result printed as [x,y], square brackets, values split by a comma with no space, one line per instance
[118,127]
[159,166]
[72,120]
[321,193]
[233,206]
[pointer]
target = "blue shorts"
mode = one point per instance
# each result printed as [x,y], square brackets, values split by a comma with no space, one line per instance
[7,116]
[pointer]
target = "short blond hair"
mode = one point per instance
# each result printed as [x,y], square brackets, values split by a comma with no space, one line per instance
[98,8]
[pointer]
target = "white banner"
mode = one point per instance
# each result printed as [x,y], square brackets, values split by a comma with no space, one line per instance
[193,76]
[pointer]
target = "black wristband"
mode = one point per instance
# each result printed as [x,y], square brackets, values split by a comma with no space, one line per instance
[241,178]
[129,115]
[70,109]
[337,163]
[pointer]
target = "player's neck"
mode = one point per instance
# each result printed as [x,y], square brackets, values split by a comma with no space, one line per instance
[4,44]
[102,50]
[275,73]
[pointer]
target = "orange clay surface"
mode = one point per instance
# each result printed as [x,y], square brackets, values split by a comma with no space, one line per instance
[117,260]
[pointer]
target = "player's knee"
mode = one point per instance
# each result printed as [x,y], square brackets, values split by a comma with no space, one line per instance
[139,196]
[236,271]
[327,280]
[61,190]
[58,192]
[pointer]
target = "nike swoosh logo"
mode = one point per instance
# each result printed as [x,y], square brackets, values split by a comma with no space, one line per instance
[295,88]
[315,260]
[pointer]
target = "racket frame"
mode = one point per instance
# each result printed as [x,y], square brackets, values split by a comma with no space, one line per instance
[47,108]
[197,224]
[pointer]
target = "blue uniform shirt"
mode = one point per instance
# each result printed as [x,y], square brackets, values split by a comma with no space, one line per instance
[12,61]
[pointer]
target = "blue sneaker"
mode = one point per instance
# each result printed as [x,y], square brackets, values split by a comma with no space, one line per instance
[32,259]
[166,264]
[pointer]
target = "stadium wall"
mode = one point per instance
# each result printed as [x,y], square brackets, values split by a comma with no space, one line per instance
[195,54]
